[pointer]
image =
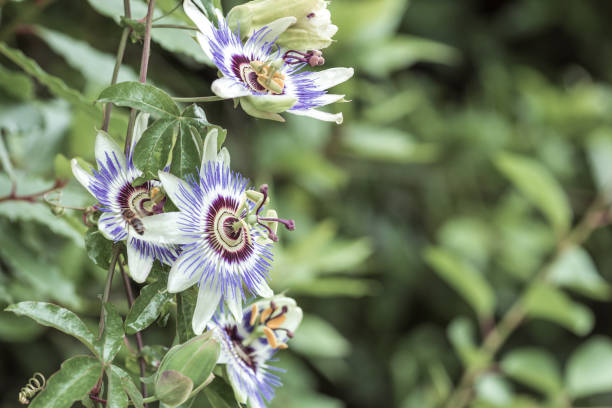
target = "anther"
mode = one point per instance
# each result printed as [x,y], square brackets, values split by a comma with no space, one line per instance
[283,346]
[265,314]
[313,57]
[276,322]
[270,337]
[253,315]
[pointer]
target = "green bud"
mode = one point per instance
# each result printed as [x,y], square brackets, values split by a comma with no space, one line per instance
[271,103]
[313,29]
[195,358]
[173,388]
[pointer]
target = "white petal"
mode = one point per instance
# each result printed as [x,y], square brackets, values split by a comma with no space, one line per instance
[164,229]
[108,223]
[138,263]
[81,175]
[234,303]
[317,114]
[203,24]
[209,152]
[241,393]
[172,185]
[224,157]
[262,289]
[276,28]
[331,77]
[328,98]
[208,300]
[182,274]
[107,149]
[142,120]
[228,88]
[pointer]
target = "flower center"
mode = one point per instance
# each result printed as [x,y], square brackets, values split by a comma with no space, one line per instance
[259,76]
[226,233]
[138,202]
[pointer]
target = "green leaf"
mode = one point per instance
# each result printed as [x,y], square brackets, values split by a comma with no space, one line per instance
[143,97]
[112,337]
[77,376]
[99,248]
[5,161]
[195,116]
[386,145]
[534,368]
[317,338]
[128,386]
[599,150]
[494,389]
[575,270]
[464,278]
[185,305]
[589,369]
[220,394]
[337,287]
[57,317]
[185,156]
[195,358]
[55,85]
[546,302]
[173,40]
[117,397]
[96,66]
[461,335]
[152,150]
[16,84]
[403,51]
[539,186]
[147,307]
[44,279]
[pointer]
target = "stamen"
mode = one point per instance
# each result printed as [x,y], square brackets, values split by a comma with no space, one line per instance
[289,224]
[313,58]
[277,321]
[283,346]
[265,314]
[253,315]
[270,337]
[263,190]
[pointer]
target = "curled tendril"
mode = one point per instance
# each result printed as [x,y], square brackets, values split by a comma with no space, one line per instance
[35,384]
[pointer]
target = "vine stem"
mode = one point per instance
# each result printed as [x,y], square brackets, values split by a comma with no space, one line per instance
[596,216]
[120,53]
[13,196]
[177,26]
[213,98]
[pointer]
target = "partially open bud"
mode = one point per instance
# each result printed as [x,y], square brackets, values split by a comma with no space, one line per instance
[173,388]
[312,31]
[194,359]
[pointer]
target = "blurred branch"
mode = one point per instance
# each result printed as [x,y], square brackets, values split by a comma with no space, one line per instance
[120,53]
[31,11]
[595,217]
[13,196]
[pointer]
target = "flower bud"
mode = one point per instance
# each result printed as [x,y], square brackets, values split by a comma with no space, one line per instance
[173,388]
[194,359]
[312,31]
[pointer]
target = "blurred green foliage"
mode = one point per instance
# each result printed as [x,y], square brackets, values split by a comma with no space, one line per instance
[478,134]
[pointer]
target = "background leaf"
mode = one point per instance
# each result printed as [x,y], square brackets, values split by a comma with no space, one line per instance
[589,368]
[77,376]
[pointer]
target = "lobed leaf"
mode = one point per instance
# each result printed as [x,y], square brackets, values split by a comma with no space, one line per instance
[143,97]
[152,150]
[57,317]
[76,377]
[112,337]
[147,307]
